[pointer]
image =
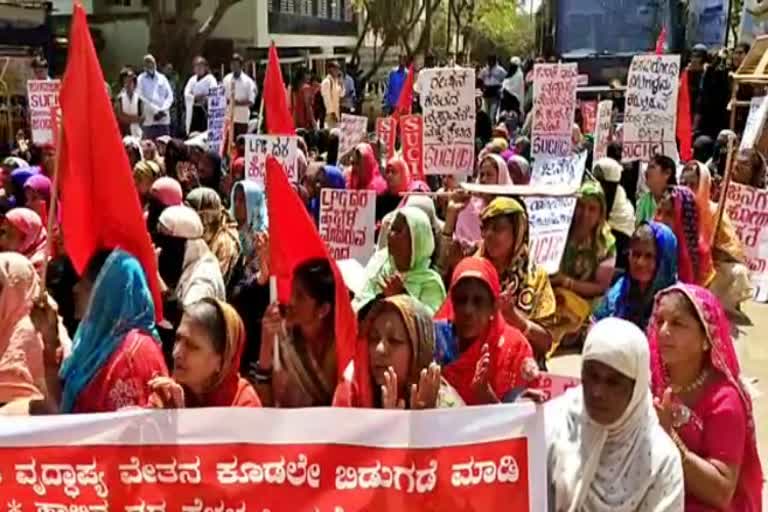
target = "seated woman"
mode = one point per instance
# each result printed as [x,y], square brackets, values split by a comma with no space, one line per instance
[678,210]
[605,449]
[661,174]
[116,349]
[519,170]
[731,283]
[702,403]
[620,213]
[145,172]
[206,355]
[484,358]
[398,178]
[364,173]
[750,169]
[404,266]
[22,231]
[319,177]
[652,268]
[37,190]
[165,192]
[587,267]
[400,351]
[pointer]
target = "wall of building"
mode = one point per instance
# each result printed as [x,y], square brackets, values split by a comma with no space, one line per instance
[126,43]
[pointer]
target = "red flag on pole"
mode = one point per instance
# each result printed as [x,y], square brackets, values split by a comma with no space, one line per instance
[661,41]
[279,118]
[405,101]
[100,207]
[684,131]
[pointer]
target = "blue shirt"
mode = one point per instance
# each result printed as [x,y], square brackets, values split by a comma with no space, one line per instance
[395,86]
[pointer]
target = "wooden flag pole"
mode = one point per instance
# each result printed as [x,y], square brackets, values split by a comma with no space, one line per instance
[52,210]
[729,163]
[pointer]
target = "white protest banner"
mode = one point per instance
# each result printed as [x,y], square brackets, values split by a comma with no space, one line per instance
[320,459]
[347,223]
[354,130]
[554,108]
[550,218]
[217,114]
[257,147]
[448,103]
[747,208]
[650,116]
[603,127]
[43,97]
[758,108]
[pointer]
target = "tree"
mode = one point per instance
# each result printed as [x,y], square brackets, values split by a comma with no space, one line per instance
[177,36]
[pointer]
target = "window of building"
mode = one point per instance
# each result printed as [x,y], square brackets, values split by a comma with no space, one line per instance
[322,8]
[336,9]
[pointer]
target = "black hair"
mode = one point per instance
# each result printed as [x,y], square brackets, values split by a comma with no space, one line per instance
[614,151]
[316,277]
[95,264]
[667,165]
[207,314]
[39,62]
[127,72]
[236,57]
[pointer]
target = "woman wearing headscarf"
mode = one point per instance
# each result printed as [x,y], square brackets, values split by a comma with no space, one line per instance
[404,266]
[209,170]
[652,268]
[132,147]
[206,371]
[116,349]
[732,282]
[423,203]
[750,169]
[145,172]
[318,178]
[249,210]
[220,232]
[364,173]
[14,187]
[398,178]
[519,170]
[482,356]
[678,210]
[587,266]
[165,192]
[620,213]
[22,231]
[702,401]
[605,449]
[37,192]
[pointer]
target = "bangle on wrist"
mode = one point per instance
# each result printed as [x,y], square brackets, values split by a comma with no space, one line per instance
[262,375]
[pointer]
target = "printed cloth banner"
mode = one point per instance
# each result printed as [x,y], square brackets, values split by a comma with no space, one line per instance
[412,135]
[217,115]
[386,132]
[603,128]
[239,459]
[747,208]
[554,107]
[354,130]
[448,104]
[283,147]
[650,117]
[43,98]
[348,222]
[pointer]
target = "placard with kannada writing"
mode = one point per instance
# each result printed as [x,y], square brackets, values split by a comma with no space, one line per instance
[315,460]
[412,136]
[758,109]
[257,147]
[603,128]
[386,132]
[43,98]
[354,130]
[554,108]
[747,208]
[217,114]
[650,116]
[448,105]
[347,223]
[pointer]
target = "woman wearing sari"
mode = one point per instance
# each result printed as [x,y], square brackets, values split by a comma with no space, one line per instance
[398,178]
[206,355]
[14,186]
[165,192]
[37,190]
[483,357]
[364,173]
[404,266]
[652,268]
[116,349]
[702,402]
[322,176]
[220,232]
[587,267]
[22,231]
[249,209]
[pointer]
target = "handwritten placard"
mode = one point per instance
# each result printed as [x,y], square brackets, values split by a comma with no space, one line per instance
[747,208]
[603,127]
[758,108]
[257,147]
[553,385]
[354,130]
[386,133]
[43,97]
[217,114]
[651,107]
[412,135]
[448,104]
[347,222]
[554,92]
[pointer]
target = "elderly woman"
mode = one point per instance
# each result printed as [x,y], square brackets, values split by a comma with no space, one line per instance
[750,168]
[702,402]
[606,450]
[22,231]
[206,370]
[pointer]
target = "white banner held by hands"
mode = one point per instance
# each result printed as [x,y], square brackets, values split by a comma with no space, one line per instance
[258,147]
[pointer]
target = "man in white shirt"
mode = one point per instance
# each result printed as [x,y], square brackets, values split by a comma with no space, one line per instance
[245,92]
[332,90]
[492,77]
[196,96]
[157,98]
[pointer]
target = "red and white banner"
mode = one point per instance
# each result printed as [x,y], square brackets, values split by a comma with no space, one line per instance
[386,132]
[412,139]
[348,222]
[258,460]
[43,98]
[285,148]
[747,208]
[554,93]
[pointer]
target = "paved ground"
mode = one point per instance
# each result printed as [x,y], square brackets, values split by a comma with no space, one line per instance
[752,346]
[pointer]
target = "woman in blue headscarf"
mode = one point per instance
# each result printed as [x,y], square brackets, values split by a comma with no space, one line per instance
[14,187]
[249,209]
[652,268]
[116,350]
[318,178]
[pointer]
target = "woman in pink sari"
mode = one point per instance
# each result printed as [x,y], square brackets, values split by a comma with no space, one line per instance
[22,231]
[702,403]
[365,174]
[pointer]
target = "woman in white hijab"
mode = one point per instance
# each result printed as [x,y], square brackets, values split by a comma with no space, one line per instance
[606,450]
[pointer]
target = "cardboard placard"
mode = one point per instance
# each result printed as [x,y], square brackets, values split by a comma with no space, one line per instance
[348,222]
[217,115]
[257,147]
[747,208]
[603,128]
[43,98]
[354,130]
[554,107]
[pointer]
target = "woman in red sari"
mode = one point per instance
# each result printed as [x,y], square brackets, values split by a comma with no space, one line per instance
[209,344]
[482,356]
[702,403]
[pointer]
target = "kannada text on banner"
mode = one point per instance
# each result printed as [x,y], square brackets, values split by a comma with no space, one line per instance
[603,127]
[477,458]
[412,140]
[651,107]
[448,104]
[258,147]
[43,97]
[747,207]
[554,92]
[347,222]
[217,113]
[354,130]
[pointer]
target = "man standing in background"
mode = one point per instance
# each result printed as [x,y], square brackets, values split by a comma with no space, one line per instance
[157,98]
[245,92]
[350,90]
[395,85]
[332,90]
[492,76]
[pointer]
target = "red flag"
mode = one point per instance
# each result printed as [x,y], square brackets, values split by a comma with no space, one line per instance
[661,41]
[100,207]
[279,118]
[289,222]
[684,130]
[405,101]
